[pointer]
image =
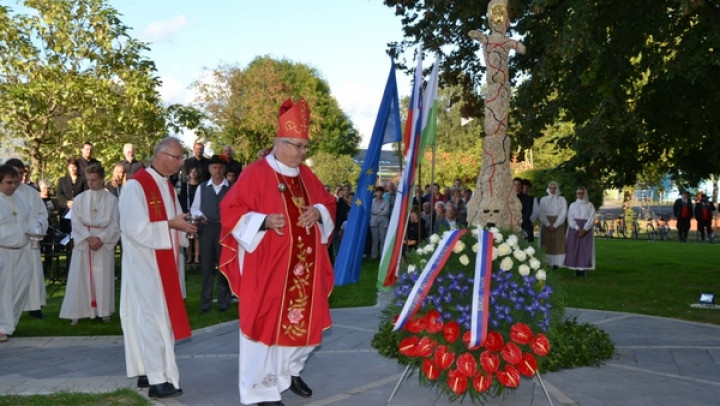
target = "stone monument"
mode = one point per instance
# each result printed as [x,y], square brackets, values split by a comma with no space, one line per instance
[495,201]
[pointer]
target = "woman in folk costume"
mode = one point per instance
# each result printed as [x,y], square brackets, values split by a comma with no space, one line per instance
[274,254]
[552,214]
[95,220]
[580,244]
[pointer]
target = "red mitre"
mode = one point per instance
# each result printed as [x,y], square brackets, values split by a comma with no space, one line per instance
[294,119]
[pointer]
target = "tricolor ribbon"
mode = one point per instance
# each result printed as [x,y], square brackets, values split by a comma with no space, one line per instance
[481,290]
[427,277]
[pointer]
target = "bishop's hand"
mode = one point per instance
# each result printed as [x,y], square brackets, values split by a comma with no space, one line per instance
[275,222]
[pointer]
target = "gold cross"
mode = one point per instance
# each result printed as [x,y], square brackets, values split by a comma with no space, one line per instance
[156,204]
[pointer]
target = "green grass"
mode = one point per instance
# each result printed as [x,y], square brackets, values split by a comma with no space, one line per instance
[363,293]
[659,278]
[122,397]
[52,325]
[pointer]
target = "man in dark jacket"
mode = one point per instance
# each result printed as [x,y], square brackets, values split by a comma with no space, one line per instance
[704,209]
[683,211]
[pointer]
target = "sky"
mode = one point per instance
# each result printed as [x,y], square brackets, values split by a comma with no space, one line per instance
[345,41]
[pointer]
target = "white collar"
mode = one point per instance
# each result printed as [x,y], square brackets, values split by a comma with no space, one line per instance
[223,183]
[281,167]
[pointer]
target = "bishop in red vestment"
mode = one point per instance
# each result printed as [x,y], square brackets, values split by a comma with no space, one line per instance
[276,223]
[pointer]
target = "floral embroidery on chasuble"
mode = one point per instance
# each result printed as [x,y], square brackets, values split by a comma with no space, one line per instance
[297,302]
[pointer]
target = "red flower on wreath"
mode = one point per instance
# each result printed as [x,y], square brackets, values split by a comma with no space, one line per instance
[457,381]
[408,346]
[451,331]
[425,347]
[415,325]
[540,345]
[509,376]
[444,358]
[528,366]
[511,353]
[466,364]
[433,322]
[482,382]
[521,333]
[489,361]
[431,369]
[494,341]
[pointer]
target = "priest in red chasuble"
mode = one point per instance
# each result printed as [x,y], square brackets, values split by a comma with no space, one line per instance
[276,223]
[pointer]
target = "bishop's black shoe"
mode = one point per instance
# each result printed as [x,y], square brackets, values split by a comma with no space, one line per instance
[164,390]
[273,403]
[298,386]
[143,382]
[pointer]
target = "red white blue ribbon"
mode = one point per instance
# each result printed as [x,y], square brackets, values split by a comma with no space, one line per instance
[481,290]
[427,277]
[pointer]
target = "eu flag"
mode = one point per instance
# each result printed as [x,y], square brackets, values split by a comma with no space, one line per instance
[386,129]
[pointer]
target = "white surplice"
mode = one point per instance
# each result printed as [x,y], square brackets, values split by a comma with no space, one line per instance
[148,334]
[39,224]
[16,256]
[91,276]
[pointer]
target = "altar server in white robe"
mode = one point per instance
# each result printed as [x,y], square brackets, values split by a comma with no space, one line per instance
[152,311]
[90,290]
[15,251]
[38,217]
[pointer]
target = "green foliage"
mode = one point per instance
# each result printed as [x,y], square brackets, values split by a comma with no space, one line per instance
[573,345]
[120,397]
[335,170]
[577,345]
[636,79]
[70,72]
[242,106]
[385,341]
[451,165]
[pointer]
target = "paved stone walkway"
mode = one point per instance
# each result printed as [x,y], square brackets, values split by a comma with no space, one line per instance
[659,362]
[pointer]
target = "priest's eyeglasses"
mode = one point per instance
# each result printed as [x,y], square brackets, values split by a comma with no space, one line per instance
[297,146]
[176,157]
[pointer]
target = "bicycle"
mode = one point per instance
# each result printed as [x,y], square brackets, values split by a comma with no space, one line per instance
[634,229]
[663,228]
[651,229]
[600,226]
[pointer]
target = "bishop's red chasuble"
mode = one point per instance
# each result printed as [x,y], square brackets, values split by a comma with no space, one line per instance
[286,281]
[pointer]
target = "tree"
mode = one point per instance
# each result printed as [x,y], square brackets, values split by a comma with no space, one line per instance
[69,73]
[335,170]
[242,105]
[637,79]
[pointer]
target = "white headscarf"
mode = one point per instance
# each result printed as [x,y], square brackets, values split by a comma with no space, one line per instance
[557,189]
[585,199]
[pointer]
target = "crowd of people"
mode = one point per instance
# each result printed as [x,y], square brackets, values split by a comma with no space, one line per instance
[273,246]
[164,215]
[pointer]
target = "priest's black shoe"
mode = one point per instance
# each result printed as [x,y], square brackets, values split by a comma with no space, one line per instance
[273,403]
[143,382]
[164,390]
[298,386]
